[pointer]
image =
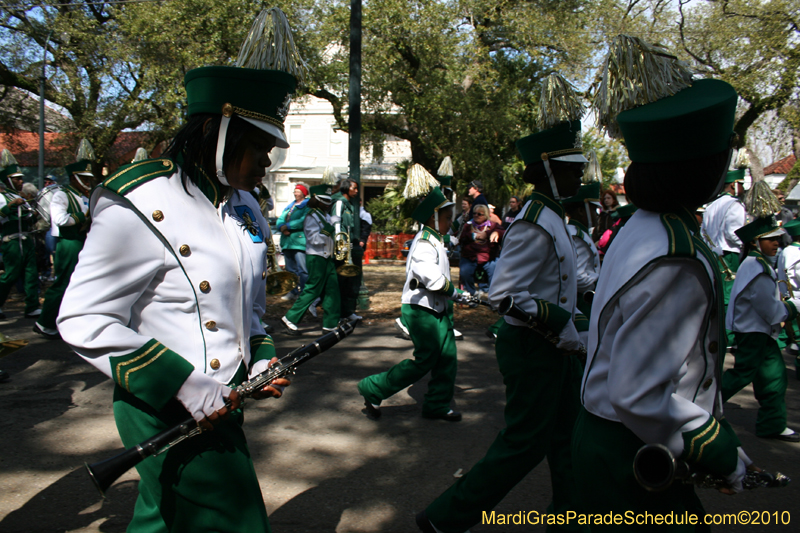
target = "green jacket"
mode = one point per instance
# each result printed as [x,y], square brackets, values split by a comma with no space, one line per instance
[343,216]
[293,217]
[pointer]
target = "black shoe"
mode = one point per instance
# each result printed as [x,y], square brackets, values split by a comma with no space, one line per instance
[268,329]
[373,413]
[4,376]
[424,524]
[491,334]
[48,333]
[791,437]
[33,314]
[450,416]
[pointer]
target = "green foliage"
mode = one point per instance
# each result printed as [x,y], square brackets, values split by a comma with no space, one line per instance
[391,212]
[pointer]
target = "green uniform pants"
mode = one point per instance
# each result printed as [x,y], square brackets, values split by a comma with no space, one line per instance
[602,454]
[434,352]
[731,259]
[758,360]
[542,402]
[321,277]
[349,287]
[204,484]
[20,265]
[67,251]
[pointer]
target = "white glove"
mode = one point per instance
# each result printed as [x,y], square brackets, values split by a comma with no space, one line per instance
[260,367]
[453,240]
[202,395]
[734,480]
[568,338]
[463,297]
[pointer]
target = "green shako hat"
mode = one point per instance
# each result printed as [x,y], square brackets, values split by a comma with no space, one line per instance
[324,190]
[735,175]
[9,165]
[420,184]
[83,160]
[589,193]
[648,97]
[762,205]
[445,172]
[792,227]
[258,88]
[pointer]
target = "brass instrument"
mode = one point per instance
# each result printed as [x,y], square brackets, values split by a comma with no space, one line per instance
[730,275]
[343,251]
[279,281]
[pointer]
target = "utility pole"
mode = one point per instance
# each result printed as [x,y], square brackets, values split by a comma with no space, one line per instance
[42,81]
[354,123]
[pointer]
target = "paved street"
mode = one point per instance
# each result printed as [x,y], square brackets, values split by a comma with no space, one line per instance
[323,466]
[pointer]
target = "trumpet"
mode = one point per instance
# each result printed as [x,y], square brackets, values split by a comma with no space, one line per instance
[279,282]
[343,251]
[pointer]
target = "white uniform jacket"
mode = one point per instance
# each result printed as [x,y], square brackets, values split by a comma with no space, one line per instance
[317,229]
[428,263]
[722,218]
[537,260]
[587,258]
[755,305]
[789,269]
[59,215]
[654,334]
[168,282]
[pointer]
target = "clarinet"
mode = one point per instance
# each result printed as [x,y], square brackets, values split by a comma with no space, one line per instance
[472,300]
[656,468]
[106,472]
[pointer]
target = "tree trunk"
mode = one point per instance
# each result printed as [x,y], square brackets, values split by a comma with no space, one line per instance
[756,167]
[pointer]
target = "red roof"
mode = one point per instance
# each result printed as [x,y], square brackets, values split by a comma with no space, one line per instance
[782,166]
[60,148]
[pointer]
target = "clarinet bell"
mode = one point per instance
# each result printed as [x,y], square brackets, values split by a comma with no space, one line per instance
[105,473]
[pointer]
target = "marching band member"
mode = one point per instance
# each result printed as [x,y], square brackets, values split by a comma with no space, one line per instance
[536,267]
[656,336]
[582,216]
[69,208]
[789,273]
[755,317]
[424,310]
[174,320]
[343,217]
[18,246]
[322,276]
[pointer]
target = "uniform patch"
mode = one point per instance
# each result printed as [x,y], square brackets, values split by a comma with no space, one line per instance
[247,220]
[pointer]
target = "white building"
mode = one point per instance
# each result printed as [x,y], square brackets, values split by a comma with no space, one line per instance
[316,143]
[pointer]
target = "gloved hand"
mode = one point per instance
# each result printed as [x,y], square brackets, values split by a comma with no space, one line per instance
[204,397]
[463,297]
[568,338]
[275,388]
[734,479]
[454,240]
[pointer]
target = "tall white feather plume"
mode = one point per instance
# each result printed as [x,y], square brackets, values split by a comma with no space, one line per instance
[270,46]
[329,176]
[760,202]
[636,73]
[559,102]
[419,182]
[593,171]
[141,155]
[446,168]
[742,159]
[7,159]
[85,151]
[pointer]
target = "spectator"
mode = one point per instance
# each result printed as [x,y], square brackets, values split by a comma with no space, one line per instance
[514,207]
[463,217]
[476,241]
[366,226]
[293,240]
[493,216]
[475,191]
[609,202]
[29,191]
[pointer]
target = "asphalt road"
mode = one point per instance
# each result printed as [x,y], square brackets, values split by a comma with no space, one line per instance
[323,466]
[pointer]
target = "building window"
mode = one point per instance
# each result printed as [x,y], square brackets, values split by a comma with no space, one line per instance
[295,134]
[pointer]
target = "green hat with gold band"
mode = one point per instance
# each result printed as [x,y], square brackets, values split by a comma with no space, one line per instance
[558,142]
[83,160]
[693,123]
[432,203]
[734,175]
[760,228]
[323,192]
[792,227]
[761,204]
[9,165]
[420,184]
[11,171]
[587,193]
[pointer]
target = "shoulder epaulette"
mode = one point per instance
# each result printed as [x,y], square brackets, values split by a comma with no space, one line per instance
[430,236]
[767,269]
[533,212]
[680,238]
[129,177]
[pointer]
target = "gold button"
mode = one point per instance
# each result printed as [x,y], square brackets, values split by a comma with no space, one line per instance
[158,216]
[185,250]
[561,258]
[712,347]
[211,324]
[165,163]
[205,286]
[264,275]
[214,364]
[564,277]
[563,299]
[708,383]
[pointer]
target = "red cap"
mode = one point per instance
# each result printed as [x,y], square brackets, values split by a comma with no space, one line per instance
[303,188]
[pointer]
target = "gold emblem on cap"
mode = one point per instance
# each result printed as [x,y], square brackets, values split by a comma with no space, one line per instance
[185,250]
[205,286]
[545,157]
[211,324]
[214,364]
[158,216]
[227,110]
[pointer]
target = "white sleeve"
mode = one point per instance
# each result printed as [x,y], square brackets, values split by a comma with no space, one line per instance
[424,266]
[583,265]
[761,294]
[662,319]
[793,273]
[336,216]
[734,219]
[525,248]
[95,313]
[312,228]
[59,216]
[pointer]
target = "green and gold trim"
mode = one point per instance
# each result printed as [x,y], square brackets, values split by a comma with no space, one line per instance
[581,322]
[710,446]
[153,373]
[262,348]
[551,314]
[131,176]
